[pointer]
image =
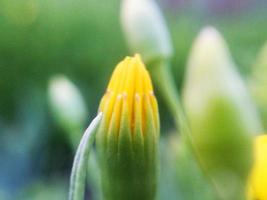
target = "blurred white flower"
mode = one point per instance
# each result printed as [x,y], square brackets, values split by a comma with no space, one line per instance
[145,29]
[67,104]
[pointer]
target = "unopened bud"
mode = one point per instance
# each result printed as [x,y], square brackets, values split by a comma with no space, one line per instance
[221,115]
[145,29]
[68,106]
[127,139]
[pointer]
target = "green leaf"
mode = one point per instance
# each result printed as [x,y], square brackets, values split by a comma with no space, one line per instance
[78,173]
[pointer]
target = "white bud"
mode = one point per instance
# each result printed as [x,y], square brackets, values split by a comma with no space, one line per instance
[212,72]
[67,103]
[145,29]
[221,114]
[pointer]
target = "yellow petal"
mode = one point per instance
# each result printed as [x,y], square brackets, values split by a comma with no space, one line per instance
[130,81]
[258,179]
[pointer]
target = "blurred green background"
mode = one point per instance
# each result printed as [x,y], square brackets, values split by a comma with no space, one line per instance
[83,40]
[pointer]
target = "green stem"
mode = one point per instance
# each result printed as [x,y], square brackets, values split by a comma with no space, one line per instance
[164,81]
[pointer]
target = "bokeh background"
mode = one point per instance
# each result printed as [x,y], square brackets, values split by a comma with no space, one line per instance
[83,40]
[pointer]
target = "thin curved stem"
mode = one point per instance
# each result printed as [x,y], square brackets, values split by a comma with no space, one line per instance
[78,172]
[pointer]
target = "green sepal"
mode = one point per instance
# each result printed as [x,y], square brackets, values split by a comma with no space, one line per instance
[138,137]
[129,164]
[151,134]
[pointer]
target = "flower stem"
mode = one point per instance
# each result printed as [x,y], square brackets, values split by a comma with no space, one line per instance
[165,83]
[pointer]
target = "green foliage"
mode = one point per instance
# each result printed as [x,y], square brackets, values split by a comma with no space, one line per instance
[83,39]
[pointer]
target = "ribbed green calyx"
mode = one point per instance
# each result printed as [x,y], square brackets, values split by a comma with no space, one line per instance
[221,115]
[127,139]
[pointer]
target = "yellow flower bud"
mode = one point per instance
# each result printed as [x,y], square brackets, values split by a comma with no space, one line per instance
[258,177]
[127,139]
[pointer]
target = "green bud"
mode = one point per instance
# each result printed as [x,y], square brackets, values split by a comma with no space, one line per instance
[127,139]
[145,29]
[259,83]
[221,115]
[68,107]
